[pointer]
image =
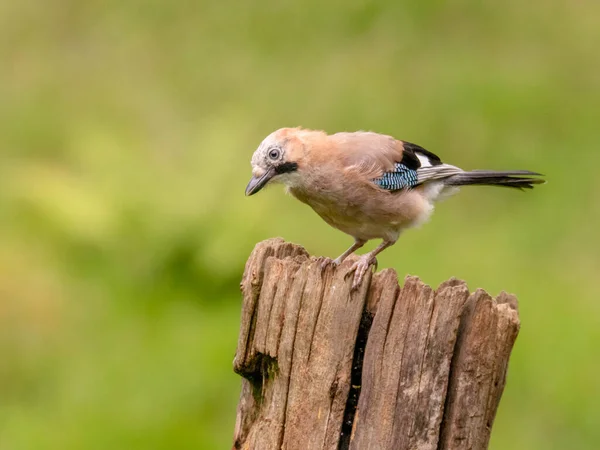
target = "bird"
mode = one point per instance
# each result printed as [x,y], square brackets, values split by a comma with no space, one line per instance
[365,184]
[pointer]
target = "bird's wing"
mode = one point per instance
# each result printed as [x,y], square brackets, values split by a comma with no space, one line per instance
[389,163]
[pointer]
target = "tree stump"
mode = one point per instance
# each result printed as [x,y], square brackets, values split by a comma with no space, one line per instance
[382,367]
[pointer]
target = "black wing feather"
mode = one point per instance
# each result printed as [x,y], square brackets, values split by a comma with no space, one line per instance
[410,153]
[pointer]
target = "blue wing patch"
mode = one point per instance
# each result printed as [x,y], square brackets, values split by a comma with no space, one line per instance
[401,178]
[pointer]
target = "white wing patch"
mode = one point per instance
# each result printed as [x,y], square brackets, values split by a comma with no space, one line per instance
[423,159]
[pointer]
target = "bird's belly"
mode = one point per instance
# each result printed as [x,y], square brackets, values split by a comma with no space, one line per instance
[365,230]
[380,215]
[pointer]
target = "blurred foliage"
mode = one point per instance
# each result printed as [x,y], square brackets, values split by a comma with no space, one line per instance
[126,130]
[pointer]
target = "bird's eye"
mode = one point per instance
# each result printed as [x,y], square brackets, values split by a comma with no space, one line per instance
[274,153]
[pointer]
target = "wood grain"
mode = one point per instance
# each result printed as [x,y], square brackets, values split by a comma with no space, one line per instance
[381,367]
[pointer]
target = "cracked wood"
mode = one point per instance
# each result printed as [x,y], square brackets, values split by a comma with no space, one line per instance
[382,367]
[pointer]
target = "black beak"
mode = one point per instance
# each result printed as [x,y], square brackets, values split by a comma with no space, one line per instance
[257,183]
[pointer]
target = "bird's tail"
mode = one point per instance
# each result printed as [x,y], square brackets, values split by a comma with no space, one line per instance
[518,179]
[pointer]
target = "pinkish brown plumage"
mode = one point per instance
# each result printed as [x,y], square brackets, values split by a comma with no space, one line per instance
[365,184]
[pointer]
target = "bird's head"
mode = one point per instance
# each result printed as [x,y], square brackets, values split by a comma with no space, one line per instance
[277,159]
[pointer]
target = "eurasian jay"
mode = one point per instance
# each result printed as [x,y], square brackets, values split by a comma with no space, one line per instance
[366,184]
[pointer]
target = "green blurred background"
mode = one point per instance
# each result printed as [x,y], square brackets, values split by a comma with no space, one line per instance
[126,130]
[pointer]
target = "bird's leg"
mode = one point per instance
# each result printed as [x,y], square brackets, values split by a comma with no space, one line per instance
[358,243]
[363,263]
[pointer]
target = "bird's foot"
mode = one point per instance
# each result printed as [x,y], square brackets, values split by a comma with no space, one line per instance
[326,262]
[360,268]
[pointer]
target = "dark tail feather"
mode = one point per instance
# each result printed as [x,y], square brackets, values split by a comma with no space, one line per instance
[518,179]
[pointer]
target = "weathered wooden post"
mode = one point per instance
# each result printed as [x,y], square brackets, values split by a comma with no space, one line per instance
[384,367]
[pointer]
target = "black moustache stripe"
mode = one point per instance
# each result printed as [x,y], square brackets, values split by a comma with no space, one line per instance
[286,167]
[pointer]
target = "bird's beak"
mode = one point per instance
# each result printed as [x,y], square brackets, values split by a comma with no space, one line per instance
[257,183]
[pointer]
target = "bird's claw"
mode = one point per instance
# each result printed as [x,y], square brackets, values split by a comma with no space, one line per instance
[326,262]
[360,268]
